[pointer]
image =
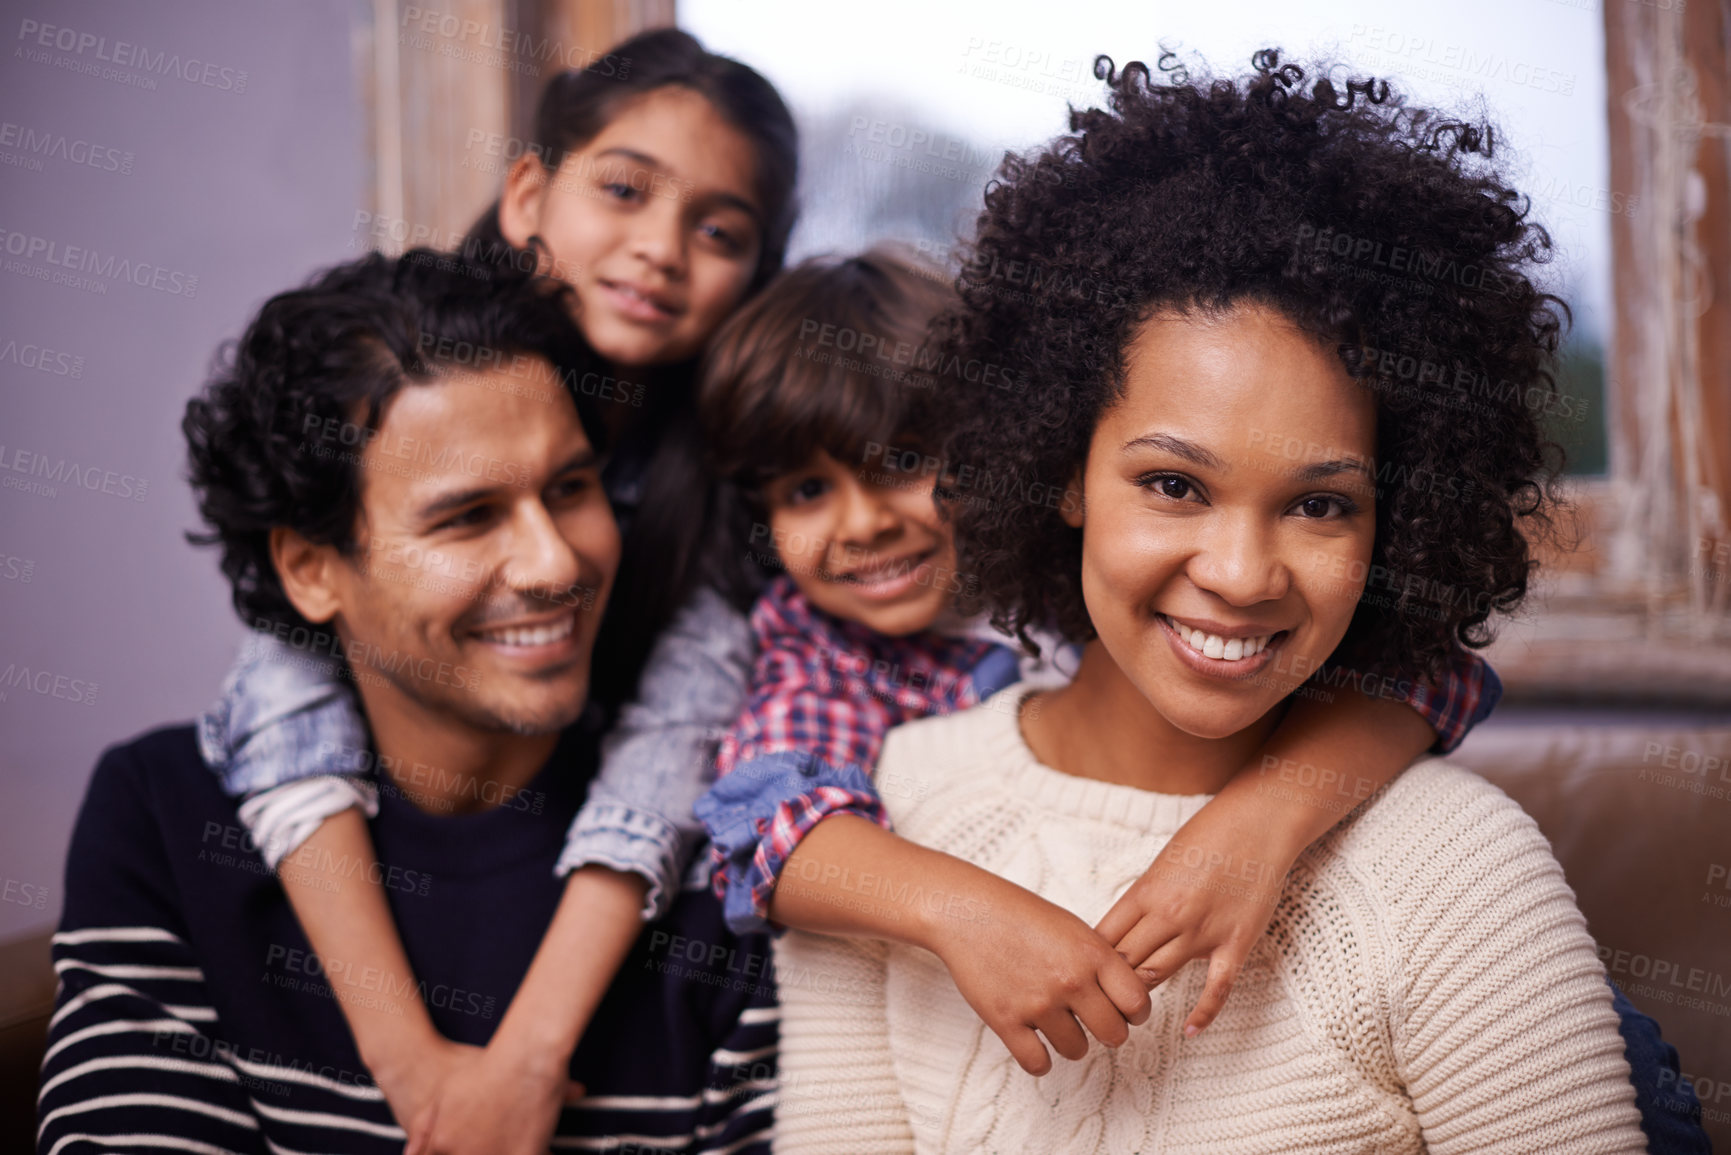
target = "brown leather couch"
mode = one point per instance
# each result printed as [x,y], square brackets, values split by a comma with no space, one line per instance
[26,1001]
[1639,814]
[1638,809]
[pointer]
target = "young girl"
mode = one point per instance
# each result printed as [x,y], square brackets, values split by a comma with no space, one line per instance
[664,195]
[820,401]
[1426,982]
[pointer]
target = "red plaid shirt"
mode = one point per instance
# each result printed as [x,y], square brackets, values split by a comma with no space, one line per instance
[825,692]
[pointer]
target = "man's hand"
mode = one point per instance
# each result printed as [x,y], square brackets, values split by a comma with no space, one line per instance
[1031,965]
[491,1102]
[1209,894]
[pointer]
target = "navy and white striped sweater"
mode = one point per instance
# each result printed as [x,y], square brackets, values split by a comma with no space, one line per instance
[193,1016]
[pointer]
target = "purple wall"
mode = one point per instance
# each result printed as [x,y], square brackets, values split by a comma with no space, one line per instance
[133,147]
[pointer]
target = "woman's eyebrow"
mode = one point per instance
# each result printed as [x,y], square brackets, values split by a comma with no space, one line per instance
[1317,471]
[1178,447]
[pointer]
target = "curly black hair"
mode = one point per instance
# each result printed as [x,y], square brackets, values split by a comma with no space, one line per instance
[1382,229]
[325,359]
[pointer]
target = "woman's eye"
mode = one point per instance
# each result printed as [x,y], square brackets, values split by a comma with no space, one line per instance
[1320,508]
[809,489]
[619,190]
[1168,485]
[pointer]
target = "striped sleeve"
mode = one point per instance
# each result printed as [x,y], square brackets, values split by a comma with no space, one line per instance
[738,1109]
[137,1059]
[133,1060]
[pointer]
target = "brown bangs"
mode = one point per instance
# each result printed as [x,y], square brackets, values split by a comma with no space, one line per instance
[833,355]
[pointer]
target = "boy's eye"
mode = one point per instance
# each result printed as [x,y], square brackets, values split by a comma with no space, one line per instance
[808,489]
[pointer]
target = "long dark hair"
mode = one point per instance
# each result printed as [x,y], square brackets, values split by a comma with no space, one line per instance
[673,540]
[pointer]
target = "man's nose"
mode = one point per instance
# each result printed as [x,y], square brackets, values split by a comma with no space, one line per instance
[542,562]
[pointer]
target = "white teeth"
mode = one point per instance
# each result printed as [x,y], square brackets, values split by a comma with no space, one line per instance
[1214,646]
[533,635]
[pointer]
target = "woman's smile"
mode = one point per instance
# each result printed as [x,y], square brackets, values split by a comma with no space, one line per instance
[1231,654]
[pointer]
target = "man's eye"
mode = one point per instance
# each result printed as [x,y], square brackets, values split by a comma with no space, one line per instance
[570,487]
[473,516]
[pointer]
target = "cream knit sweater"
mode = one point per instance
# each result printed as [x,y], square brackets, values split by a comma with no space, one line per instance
[1427,983]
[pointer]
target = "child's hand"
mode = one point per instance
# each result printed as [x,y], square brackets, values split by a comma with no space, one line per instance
[1209,894]
[491,1102]
[1031,965]
[414,1078]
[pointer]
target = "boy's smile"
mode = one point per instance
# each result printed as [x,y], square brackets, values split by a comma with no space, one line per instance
[864,546]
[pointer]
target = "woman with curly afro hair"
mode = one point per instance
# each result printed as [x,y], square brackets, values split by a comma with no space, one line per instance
[1279,343]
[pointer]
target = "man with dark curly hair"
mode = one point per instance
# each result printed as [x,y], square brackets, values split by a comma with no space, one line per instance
[402,471]
[1215,290]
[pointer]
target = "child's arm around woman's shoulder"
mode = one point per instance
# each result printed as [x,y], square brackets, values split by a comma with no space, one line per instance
[800,829]
[1328,754]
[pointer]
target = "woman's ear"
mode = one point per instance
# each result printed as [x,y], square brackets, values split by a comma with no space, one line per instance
[520,204]
[308,574]
[1072,509]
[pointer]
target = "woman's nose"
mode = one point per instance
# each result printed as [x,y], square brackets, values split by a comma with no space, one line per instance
[1239,561]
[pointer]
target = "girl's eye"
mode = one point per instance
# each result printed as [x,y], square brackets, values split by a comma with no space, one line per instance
[720,235]
[809,489]
[1320,507]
